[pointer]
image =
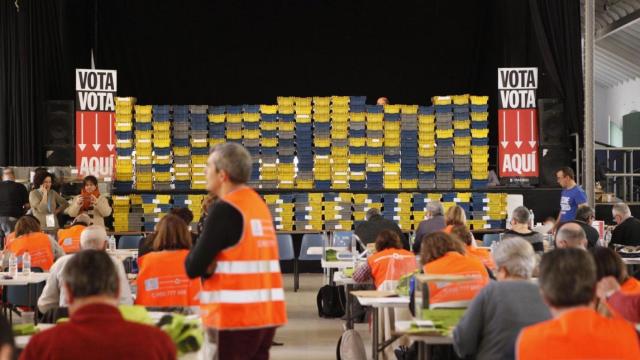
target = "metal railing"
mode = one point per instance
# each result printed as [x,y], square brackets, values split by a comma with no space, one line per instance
[621,167]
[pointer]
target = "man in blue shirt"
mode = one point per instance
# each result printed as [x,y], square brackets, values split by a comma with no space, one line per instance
[572,195]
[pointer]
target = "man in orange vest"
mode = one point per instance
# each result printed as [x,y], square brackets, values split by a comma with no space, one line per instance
[242,298]
[568,284]
[69,238]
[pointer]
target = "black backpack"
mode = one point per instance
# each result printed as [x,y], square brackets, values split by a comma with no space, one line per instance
[331,301]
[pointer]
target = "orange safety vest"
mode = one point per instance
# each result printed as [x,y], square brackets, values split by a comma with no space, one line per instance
[69,239]
[447,229]
[391,264]
[579,334]
[39,247]
[483,255]
[454,263]
[245,291]
[630,286]
[163,282]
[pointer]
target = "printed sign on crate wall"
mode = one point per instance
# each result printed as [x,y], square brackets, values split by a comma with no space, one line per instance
[95,109]
[518,125]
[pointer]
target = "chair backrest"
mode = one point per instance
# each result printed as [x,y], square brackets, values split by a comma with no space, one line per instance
[18,295]
[308,241]
[488,239]
[129,241]
[285,247]
[342,239]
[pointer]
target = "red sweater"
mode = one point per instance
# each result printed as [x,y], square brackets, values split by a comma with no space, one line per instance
[99,332]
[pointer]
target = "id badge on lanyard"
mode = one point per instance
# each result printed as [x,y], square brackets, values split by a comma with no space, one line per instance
[51,220]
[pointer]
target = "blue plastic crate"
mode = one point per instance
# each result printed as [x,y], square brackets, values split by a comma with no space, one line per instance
[357,100]
[357,133]
[251,108]
[162,151]
[161,117]
[287,117]
[426,110]
[199,126]
[461,116]
[269,134]
[496,224]
[180,109]
[375,109]
[161,168]
[479,142]
[479,124]
[251,125]
[182,185]
[124,135]
[144,126]
[357,167]
[479,108]
[234,109]
[460,108]
[443,109]
[322,184]
[462,133]
[180,117]
[357,184]
[444,167]
[462,175]
[447,143]
[357,108]
[392,158]
[216,110]
[269,150]
[391,117]
[322,126]
[286,159]
[124,152]
[198,117]
[322,151]
[479,184]
[180,142]
[375,151]
[269,117]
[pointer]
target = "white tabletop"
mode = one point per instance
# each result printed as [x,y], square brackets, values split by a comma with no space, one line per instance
[384,302]
[403,326]
[336,264]
[21,279]
[631,261]
[122,254]
[340,279]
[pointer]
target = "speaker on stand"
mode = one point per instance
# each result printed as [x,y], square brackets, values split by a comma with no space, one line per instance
[556,150]
[58,131]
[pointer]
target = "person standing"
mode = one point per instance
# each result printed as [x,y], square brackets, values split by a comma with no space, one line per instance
[375,223]
[242,299]
[45,202]
[14,199]
[572,195]
[90,202]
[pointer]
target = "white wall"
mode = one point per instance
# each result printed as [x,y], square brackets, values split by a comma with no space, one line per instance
[613,103]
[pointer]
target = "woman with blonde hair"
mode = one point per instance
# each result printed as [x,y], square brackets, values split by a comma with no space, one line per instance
[454,216]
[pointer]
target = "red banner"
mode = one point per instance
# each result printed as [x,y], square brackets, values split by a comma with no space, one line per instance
[95,143]
[518,150]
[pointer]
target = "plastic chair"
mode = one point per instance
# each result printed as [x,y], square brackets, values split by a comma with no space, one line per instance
[488,239]
[308,241]
[129,241]
[286,252]
[342,239]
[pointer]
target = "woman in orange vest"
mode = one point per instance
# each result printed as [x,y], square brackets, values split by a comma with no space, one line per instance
[162,280]
[388,264]
[69,238]
[462,233]
[441,254]
[454,216]
[42,248]
[609,263]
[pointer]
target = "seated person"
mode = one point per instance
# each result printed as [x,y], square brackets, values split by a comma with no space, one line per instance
[627,232]
[462,233]
[55,295]
[29,237]
[520,228]
[491,324]
[568,285]
[443,255]
[69,238]
[584,218]
[388,264]
[368,230]
[96,329]
[433,223]
[571,235]
[609,263]
[626,306]
[146,245]
[454,216]
[162,278]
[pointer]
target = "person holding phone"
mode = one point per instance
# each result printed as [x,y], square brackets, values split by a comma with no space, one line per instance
[45,202]
[91,202]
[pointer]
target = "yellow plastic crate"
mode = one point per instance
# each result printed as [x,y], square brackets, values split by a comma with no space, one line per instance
[426,119]
[124,126]
[269,109]
[409,184]
[444,134]
[427,167]
[476,224]
[392,109]
[286,109]
[339,117]
[143,118]
[124,117]
[392,142]
[123,110]
[462,142]
[479,175]
[339,151]
[375,142]
[409,109]
[303,118]
[285,100]
[339,109]
[322,117]
[441,100]
[479,133]
[357,117]
[480,158]
[269,142]
[321,100]
[304,101]
[479,149]
[375,126]
[180,176]
[322,142]
[461,183]
[143,109]
[479,100]
[181,151]
[357,141]
[162,160]
[374,117]
[270,126]
[434,196]
[460,99]
[461,124]
[357,159]
[392,126]
[427,151]
[217,118]
[251,134]
[251,117]
[304,184]
[124,144]
[340,100]
[461,150]
[234,118]
[124,176]
[161,143]
[479,116]
[162,126]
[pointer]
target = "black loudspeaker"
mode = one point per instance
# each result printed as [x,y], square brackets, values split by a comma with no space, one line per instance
[553,158]
[552,122]
[59,155]
[58,124]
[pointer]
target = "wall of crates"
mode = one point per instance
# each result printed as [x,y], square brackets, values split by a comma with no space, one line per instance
[322,211]
[321,143]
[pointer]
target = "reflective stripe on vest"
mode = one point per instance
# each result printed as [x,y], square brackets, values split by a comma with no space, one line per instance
[245,291]
[69,239]
[391,264]
[163,281]
[39,247]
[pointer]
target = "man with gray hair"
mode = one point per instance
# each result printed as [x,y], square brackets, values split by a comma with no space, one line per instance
[368,230]
[584,217]
[520,229]
[571,235]
[54,294]
[627,232]
[434,222]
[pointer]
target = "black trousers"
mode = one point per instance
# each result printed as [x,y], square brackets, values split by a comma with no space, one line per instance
[243,344]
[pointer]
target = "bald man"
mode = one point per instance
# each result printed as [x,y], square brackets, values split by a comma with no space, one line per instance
[382,101]
[571,235]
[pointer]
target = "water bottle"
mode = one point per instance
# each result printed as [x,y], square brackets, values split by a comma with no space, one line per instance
[26,263]
[607,238]
[112,243]
[531,219]
[354,249]
[13,265]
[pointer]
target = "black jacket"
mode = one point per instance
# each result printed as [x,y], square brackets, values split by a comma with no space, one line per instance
[368,231]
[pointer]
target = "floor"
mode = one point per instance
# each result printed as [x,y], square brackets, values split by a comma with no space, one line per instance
[306,335]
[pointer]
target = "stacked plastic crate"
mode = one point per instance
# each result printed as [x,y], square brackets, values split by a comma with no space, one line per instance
[124,145]
[339,142]
[181,147]
[304,143]
[143,147]
[374,201]
[199,131]
[375,147]
[404,207]
[479,208]
[162,160]
[217,128]
[392,146]
[419,209]
[284,215]
[497,211]
[479,142]
[426,148]
[268,146]
[462,142]
[444,142]
[322,143]
[251,139]
[194,203]
[357,143]
[463,200]
[149,216]
[360,204]
[301,211]
[337,211]
[121,206]
[273,202]
[286,143]
[136,213]
[409,147]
